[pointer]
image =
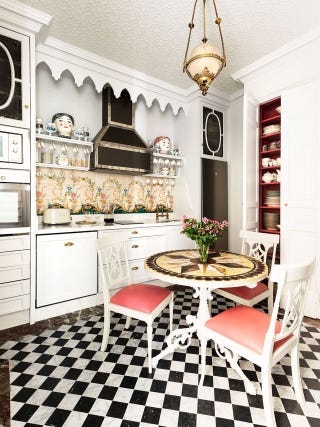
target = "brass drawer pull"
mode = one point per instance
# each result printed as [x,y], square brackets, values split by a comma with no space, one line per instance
[69,244]
[135,268]
[134,232]
[135,246]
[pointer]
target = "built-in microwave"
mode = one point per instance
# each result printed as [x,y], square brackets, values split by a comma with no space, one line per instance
[14,200]
[14,148]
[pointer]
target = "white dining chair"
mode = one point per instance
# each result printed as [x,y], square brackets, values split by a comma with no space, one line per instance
[257,245]
[247,332]
[141,301]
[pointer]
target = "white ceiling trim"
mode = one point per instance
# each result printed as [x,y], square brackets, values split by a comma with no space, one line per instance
[242,74]
[61,56]
[23,18]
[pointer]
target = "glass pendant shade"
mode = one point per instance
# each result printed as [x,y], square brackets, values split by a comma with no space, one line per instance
[204,64]
[206,61]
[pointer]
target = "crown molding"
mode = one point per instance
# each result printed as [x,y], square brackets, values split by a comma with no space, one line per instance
[244,73]
[23,18]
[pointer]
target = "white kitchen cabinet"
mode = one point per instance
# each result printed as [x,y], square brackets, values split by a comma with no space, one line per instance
[15,79]
[300,182]
[141,243]
[66,267]
[14,279]
[176,240]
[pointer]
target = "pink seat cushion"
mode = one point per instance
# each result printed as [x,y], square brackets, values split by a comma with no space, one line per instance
[247,293]
[246,326]
[140,297]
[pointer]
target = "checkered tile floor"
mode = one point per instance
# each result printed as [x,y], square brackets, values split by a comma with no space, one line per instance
[60,378]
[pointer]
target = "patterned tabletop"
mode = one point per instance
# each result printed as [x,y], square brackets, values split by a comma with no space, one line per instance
[183,266]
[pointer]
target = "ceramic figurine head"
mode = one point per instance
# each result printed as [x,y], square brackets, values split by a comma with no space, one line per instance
[164,144]
[64,124]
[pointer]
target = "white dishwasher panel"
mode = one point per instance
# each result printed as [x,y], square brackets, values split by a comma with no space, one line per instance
[66,267]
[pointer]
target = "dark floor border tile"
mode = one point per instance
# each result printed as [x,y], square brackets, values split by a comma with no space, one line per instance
[4,393]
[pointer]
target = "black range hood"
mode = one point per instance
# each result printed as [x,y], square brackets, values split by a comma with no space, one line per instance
[118,148]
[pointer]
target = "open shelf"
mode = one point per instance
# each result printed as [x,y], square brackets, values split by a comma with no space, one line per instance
[269,215]
[75,153]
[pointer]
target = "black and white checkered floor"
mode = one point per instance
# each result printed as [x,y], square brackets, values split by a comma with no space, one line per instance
[60,378]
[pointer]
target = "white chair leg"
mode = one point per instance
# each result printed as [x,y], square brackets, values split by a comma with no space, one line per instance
[128,321]
[106,330]
[267,396]
[203,352]
[270,305]
[171,314]
[296,378]
[149,337]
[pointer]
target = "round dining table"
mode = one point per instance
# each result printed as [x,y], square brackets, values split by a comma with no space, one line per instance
[183,267]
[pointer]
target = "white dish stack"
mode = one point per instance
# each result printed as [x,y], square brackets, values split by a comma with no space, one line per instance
[271,220]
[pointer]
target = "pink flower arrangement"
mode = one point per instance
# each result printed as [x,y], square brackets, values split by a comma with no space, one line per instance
[204,232]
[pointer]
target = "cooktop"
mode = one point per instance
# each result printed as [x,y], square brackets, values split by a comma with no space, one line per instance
[126,222]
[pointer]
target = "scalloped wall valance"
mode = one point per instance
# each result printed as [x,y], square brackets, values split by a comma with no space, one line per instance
[60,56]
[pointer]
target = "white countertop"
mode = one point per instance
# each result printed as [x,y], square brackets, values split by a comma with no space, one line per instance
[74,228]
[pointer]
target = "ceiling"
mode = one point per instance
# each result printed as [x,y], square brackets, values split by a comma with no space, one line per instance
[151,35]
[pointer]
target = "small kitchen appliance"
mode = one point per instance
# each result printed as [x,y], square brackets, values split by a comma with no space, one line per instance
[56,216]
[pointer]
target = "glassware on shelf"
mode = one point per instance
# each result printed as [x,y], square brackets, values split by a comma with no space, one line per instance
[78,134]
[155,162]
[39,126]
[85,132]
[51,128]
[74,159]
[40,146]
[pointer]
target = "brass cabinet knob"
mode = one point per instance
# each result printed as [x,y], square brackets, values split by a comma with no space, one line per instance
[286,204]
[68,244]
[135,268]
[134,232]
[135,246]
[26,106]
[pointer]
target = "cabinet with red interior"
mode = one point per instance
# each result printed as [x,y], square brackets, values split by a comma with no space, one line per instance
[269,165]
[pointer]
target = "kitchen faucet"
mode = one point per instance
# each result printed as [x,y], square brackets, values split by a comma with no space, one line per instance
[160,213]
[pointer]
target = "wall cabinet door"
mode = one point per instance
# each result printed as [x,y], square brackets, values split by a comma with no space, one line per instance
[14,79]
[66,267]
[176,240]
[300,182]
[250,164]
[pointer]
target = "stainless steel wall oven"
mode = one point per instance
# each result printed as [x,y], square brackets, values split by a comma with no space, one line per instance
[14,201]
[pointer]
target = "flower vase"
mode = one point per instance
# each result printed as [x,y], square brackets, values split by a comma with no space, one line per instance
[203,252]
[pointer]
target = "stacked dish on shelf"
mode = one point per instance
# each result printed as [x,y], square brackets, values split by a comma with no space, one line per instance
[271,129]
[271,220]
[272,198]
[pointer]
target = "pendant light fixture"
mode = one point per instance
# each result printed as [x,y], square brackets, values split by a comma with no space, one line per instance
[205,61]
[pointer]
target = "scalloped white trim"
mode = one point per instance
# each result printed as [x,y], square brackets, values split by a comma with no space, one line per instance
[60,56]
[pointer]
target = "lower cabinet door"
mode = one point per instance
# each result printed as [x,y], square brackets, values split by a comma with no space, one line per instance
[176,240]
[66,267]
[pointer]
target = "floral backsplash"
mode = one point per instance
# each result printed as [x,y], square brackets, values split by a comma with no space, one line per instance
[83,192]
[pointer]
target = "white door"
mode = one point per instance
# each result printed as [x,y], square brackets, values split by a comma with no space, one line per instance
[250,164]
[300,182]
[66,267]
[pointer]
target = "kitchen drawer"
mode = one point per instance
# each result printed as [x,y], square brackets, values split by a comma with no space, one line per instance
[146,232]
[14,243]
[11,259]
[12,274]
[137,271]
[137,232]
[14,289]
[144,247]
[11,305]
